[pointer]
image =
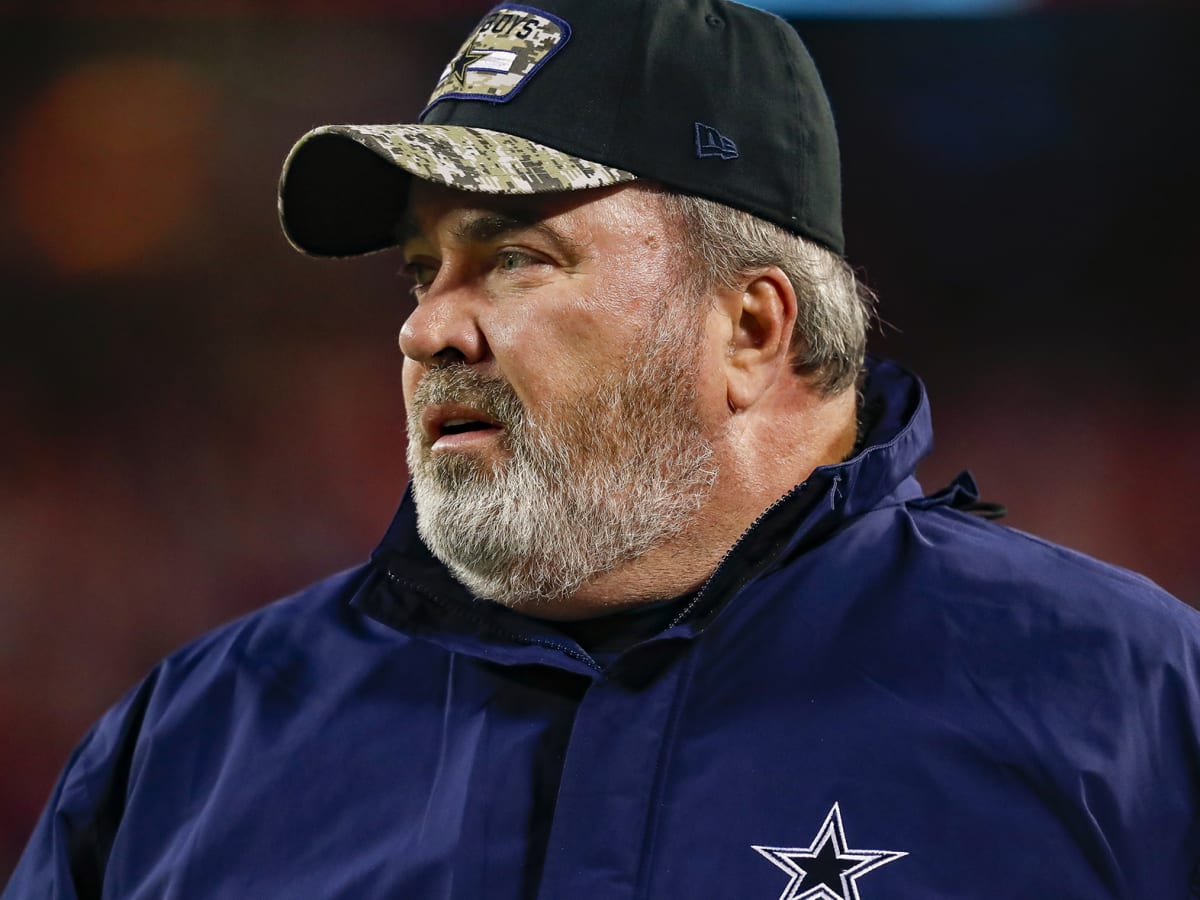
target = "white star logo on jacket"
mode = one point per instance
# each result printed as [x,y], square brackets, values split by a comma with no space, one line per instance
[827,869]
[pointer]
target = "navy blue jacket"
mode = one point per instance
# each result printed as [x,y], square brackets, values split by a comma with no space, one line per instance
[876,695]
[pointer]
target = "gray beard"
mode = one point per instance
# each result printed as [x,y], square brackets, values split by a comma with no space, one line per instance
[598,480]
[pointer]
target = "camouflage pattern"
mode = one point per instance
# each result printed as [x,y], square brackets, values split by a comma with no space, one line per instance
[503,51]
[477,159]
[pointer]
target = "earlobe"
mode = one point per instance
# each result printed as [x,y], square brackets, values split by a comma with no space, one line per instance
[763,314]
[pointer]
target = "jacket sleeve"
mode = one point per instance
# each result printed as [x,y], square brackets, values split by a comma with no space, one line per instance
[68,853]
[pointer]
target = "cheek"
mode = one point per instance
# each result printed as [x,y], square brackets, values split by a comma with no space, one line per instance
[551,350]
[544,363]
[614,321]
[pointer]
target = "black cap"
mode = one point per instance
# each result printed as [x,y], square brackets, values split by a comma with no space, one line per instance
[705,97]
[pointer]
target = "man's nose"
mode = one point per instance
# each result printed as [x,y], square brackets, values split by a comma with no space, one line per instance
[444,327]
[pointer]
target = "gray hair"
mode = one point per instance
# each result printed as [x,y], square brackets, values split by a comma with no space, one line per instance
[834,309]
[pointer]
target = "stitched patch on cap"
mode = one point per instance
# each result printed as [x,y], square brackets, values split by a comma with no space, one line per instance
[500,56]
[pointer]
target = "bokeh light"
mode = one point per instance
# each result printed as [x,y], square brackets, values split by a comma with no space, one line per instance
[108,162]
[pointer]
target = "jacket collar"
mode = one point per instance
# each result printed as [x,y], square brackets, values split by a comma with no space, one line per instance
[899,433]
[415,593]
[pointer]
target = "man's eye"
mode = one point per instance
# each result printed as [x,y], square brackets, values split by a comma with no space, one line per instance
[421,274]
[515,259]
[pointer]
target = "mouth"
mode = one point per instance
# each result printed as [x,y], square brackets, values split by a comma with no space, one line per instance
[458,427]
[461,426]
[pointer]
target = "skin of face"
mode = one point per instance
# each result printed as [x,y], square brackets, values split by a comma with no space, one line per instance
[549,301]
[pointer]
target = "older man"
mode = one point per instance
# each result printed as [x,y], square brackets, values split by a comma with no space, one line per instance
[665,612]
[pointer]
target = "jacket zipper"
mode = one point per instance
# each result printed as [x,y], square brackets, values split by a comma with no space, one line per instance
[687,610]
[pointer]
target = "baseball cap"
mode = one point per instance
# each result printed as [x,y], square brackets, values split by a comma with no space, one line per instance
[705,97]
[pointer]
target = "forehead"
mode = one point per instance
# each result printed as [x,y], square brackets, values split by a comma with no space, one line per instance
[434,212]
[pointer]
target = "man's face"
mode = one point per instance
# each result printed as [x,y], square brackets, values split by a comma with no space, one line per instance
[551,378]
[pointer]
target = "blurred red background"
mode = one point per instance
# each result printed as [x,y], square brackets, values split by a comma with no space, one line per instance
[197,419]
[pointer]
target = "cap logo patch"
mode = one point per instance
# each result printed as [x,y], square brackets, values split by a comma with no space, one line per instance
[711,143]
[501,55]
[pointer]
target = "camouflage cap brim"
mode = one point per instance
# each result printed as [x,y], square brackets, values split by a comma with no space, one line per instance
[340,202]
[476,159]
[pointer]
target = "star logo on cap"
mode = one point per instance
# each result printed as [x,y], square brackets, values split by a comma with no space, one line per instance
[827,869]
[460,63]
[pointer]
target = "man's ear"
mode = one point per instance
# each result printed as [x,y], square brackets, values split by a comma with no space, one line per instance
[763,315]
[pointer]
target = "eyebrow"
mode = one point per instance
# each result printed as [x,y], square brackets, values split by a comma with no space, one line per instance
[488,226]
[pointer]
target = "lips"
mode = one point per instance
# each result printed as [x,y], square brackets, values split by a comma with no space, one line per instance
[457,425]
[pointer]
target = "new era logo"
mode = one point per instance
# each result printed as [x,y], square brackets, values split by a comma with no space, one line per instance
[710,143]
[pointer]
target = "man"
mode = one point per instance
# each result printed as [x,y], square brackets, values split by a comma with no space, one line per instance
[665,613]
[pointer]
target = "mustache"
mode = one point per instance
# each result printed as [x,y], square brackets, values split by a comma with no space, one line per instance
[459,383]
